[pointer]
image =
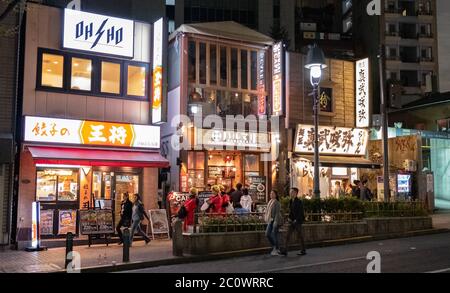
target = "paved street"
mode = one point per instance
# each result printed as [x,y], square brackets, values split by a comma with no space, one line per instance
[405,255]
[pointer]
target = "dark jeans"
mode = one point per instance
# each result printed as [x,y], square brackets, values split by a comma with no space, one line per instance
[295,228]
[272,235]
[122,223]
[137,227]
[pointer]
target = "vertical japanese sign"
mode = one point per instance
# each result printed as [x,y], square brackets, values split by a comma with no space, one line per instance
[261,84]
[362,93]
[277,79]
[158,32]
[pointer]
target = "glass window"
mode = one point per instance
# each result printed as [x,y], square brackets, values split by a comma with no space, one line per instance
[136,80]
[244,63]
[97,184]
[250,105]
[223,66]
[81,74]
[46,186]
[52,70]
[107,177]
[110,79]
[229,103]
[213,64]
[200,161]
[251,163]
[202,61]
[191,61]
[254,65]
[68,186]
[234,68]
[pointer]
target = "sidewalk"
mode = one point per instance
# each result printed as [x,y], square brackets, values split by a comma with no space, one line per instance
[102,258]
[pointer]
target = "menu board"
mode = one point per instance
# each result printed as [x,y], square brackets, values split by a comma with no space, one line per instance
[257,188]
[46,222]
[88,222]
[96,222]
[67,221]
[105,222]
[158,220]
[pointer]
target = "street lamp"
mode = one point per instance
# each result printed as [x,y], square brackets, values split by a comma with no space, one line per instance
[315,62]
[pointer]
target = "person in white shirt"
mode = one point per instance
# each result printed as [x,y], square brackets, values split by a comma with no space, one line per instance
[246,200]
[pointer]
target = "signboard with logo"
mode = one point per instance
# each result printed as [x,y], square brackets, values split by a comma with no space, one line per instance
[362,93]
[257,189]
[326,99]
[158,91]
[83,132]
[97,33]
[332,140]
[261,86]
[176,200]
[277,79]
[218,139]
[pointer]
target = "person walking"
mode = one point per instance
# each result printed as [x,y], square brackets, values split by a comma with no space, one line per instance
[191,206]
[274,220]
[296,219]
[236,195]
[366,193]
[356,189]
[126,211]
[215,201]
[138,216]
[246,200]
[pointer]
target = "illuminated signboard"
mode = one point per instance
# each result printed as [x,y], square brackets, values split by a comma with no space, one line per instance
[261,84]
[97,33]
[332,140]
[55,130]
[362,93]
[277,79]
[218,139]
[35,209]
[157,71]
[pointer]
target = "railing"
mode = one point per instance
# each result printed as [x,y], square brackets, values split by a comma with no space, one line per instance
[392,34]
[425,12]
[425,36]
[341,217]
[395,209]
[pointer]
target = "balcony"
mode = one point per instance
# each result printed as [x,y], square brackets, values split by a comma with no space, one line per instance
[424,13]
[425,36]
[410,59]
[408,35]
[393,58]
[426,60]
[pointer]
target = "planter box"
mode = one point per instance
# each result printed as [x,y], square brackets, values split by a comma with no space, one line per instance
[206,243]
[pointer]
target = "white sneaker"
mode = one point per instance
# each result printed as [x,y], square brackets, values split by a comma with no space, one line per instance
[274,252]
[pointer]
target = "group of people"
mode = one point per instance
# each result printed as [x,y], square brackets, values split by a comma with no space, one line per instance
[132,213]
[274,220]
[359,189]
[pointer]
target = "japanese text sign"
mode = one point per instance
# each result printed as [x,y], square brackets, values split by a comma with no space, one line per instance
[158,31]
[362,93]
[332,140]
[277,79]
[55,130]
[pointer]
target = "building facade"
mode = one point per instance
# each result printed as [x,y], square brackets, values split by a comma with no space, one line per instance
[87,118]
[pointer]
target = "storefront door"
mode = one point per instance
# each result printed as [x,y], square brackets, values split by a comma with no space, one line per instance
[124,183]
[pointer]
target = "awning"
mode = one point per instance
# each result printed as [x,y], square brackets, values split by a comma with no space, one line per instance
[340,161]
[95,157]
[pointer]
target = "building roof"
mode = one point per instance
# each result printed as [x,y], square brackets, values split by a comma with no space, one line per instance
[226,30]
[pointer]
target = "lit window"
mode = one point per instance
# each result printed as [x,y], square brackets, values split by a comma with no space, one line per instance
[81,74]
[52,70]
[110,80]
[136,81]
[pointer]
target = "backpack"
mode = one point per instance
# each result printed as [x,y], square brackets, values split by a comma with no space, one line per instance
[182,213]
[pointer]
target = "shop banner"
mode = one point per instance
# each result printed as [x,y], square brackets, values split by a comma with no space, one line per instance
[277,79]
[362,93]
[67,222]
[257,189]
[219,139]
[97,33]
[158,90]
[84,132]
[332,140]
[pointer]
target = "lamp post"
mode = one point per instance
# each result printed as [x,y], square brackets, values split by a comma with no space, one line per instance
[315,62]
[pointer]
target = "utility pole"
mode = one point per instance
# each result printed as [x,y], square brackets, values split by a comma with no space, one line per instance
[384,125]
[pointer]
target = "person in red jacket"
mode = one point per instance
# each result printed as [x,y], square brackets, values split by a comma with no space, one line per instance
[215,201]
[225,199]
[191,208]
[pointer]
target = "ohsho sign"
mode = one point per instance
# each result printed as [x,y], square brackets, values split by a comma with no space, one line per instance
[97,33]
[332,140]
[84,132]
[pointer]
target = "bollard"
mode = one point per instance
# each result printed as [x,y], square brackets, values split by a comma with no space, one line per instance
[126,245]
[69,247]
[177,238]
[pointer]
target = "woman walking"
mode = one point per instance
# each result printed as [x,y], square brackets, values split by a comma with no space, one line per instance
[138,216]
[274,220]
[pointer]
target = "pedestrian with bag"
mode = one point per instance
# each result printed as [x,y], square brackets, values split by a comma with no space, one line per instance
[274,219]
[138,216]
[126,211]
[296,219]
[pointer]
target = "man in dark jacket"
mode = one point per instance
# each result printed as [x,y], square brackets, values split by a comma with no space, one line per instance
[296,219]
[236,195]
[126,212]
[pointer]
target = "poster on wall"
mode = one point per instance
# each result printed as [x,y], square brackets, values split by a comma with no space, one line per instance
[158,221]
[88,222]
[257,189]
[67,222]
[46,222]
[105,222]
[176,200]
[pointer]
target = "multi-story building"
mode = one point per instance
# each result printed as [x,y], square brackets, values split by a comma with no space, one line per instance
[443,39]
